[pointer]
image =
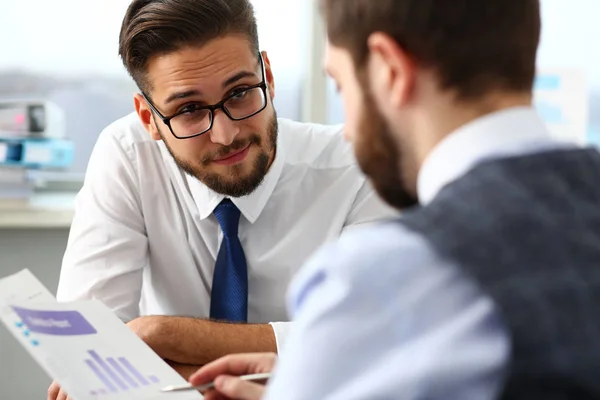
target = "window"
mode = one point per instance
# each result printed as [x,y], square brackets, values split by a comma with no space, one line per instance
[283,33]
[566,27]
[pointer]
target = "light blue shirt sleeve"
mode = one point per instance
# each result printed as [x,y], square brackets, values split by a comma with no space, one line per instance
[380,316]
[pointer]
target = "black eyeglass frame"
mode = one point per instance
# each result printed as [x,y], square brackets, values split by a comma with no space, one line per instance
[219,106]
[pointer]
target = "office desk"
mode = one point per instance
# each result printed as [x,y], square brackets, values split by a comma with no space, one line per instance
[45,210]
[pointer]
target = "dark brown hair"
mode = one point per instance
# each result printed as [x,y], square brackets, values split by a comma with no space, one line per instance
[474,46]
[155,27]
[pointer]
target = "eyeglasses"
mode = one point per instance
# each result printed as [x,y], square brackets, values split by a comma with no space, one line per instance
[194,120]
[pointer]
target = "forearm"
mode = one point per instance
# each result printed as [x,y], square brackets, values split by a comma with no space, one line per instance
[185,370]
[197,341]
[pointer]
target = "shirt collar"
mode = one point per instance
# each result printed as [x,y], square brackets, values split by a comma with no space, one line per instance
[504,133]
[252,205]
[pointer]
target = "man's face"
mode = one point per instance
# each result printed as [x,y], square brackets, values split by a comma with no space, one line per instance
[377,150]
[233,157]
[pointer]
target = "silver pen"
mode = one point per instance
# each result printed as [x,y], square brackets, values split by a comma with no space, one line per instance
[206,386]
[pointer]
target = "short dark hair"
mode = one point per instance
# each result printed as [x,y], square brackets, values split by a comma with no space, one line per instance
[156,27]
[474,46]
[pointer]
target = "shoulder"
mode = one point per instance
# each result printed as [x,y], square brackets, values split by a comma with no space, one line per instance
[386,246]
[318,146]
[123,150]
[127,133]
[384,256]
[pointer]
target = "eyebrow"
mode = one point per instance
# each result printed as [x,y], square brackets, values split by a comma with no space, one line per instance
[181,95]
[189,93]
[237,77]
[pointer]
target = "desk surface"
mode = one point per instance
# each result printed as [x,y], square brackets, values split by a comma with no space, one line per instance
[47,210]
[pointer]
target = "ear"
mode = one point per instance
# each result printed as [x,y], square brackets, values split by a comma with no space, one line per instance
[145,114]
[393,70]
[269,75]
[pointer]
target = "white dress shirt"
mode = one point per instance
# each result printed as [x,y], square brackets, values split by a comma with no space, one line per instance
[144,239]
[385,317]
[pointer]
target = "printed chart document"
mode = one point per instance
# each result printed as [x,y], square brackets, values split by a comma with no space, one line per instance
[83,345]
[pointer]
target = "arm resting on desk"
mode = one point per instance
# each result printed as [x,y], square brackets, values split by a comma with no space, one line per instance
[185,370]
[197,341]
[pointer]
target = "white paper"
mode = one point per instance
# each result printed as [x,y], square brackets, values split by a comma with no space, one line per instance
[83,345]
[23,287]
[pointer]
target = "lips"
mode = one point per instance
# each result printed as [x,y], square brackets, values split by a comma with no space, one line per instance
[234,158]
[232,154]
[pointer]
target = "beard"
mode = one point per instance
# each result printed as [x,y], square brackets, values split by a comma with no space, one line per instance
[379,157]
[234,183]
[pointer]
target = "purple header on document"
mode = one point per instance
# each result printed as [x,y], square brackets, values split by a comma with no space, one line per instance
[60,323]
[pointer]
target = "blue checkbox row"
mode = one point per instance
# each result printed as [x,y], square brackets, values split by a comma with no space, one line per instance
[26,333]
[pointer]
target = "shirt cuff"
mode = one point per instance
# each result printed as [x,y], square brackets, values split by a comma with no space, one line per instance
[282,331]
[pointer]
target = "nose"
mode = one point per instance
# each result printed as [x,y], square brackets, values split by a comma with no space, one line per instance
[224,130]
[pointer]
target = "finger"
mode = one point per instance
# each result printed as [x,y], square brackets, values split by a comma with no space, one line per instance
[214,395]
[62,395]
[53,391]
[236,388]
[234,364]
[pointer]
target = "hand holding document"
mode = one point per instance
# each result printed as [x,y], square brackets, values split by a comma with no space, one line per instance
[84,346]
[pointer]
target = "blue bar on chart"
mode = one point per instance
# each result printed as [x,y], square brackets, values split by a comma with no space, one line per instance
[101,376]
[113,376]
[122,373]
[133,371]
[117,374]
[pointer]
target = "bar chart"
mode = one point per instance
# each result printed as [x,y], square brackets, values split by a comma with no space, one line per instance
[116,374]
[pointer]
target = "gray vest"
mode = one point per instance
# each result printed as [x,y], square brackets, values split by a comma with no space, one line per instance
[527,229]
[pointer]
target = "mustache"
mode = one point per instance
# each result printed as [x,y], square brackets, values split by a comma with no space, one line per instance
[236,145]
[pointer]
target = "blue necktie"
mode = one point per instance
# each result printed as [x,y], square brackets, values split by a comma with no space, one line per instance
[229,297]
